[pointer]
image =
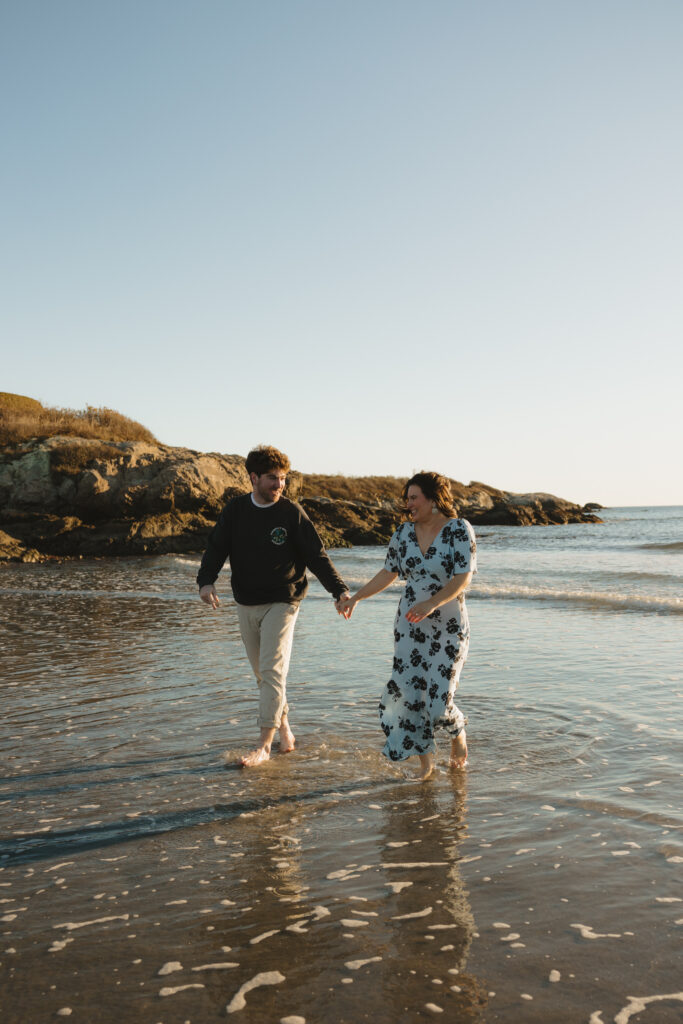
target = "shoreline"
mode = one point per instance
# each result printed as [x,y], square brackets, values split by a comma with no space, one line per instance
[371,896]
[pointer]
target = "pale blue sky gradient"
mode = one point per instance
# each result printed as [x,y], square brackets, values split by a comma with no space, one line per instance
[381,235]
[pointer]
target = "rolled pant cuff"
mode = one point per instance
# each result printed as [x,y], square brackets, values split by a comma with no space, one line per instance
[270,723]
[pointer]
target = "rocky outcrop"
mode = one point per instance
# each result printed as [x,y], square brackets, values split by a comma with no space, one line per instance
[483,504]
[343,523]
[74,496]
[66,496]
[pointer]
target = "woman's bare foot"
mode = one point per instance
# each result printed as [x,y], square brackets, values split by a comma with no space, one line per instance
[459,751]
[287,741]
[427,766]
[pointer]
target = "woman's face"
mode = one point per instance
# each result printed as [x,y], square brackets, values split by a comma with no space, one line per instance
[419,507]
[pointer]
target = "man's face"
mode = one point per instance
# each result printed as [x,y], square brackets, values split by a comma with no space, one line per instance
[269,486]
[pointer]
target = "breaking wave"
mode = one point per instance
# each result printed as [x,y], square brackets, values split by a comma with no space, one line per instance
[674,545]
[595,598]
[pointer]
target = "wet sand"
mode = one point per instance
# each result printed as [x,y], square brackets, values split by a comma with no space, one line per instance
[143,877]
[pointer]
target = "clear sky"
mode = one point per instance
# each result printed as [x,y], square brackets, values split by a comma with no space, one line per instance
[383,235]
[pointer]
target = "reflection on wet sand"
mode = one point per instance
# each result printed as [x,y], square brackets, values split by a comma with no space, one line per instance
[387,929]
[431,918]
[342,904]
[143,881]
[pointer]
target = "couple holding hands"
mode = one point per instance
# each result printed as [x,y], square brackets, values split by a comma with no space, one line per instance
[270,542]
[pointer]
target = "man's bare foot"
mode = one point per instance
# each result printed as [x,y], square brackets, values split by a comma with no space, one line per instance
[459,751]
[427,766]
[287,741]
[255,757]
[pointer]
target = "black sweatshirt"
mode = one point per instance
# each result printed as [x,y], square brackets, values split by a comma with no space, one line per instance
[269,549]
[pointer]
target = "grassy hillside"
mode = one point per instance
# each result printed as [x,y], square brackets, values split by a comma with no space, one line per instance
[352,488]
[367,488]
[22,418]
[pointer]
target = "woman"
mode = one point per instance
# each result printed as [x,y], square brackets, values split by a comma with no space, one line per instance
[435,552]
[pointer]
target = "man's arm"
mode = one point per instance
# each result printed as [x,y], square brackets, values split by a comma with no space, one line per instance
[217,550]
[317,559]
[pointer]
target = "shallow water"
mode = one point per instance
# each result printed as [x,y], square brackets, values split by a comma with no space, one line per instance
[541,884]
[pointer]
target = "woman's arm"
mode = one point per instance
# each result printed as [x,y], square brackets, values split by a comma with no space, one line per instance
[453,588]
[378,583]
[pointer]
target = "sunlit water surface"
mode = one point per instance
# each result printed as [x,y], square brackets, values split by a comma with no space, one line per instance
[143,877]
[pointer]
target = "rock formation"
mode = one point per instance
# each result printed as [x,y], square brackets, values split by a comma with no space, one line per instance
[71,496]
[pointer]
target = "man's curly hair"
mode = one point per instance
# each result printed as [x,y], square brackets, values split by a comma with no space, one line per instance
[265,458]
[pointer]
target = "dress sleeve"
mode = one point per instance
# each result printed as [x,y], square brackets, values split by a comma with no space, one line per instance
[392,562]
[463,547]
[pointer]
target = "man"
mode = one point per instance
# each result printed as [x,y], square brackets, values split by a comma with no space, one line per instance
[270,542]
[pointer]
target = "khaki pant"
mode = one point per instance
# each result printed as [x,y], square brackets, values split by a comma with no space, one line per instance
[267,632]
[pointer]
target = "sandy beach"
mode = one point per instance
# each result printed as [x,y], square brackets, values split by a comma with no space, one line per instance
[143,877]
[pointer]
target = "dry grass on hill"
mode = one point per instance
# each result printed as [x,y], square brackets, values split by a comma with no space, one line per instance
[367,488]
[22,418]
[352,488]
[71,459]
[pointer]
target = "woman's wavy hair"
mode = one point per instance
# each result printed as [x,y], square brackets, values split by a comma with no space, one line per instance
[265,459]
[436,488]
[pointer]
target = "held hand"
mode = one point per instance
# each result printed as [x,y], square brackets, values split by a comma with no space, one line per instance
[209,596]
[419,611]
[345,605]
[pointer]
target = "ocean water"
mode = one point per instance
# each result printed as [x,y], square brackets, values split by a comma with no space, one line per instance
[144,877]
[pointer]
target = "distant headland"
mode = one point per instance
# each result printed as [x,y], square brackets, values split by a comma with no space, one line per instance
[92,483]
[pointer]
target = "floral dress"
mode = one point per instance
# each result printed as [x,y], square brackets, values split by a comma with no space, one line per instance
[428,655]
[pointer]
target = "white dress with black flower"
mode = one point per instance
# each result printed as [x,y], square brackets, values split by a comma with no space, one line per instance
[428,655]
